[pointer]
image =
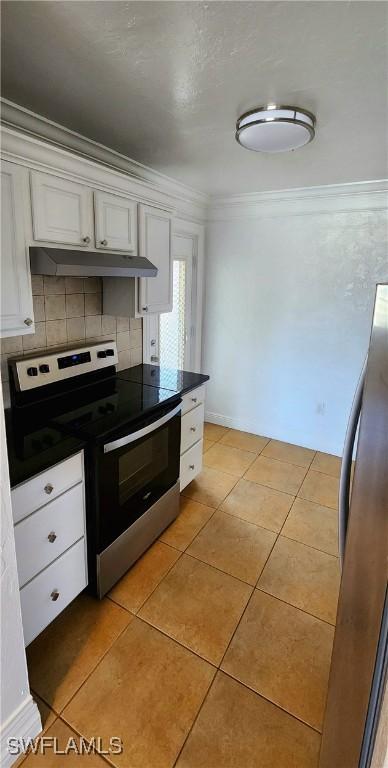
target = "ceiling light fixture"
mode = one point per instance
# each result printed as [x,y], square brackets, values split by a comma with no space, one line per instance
[274,128]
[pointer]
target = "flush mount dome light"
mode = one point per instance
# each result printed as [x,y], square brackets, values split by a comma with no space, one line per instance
[274,128]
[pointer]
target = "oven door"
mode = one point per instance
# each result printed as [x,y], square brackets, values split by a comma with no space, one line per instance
[135,470]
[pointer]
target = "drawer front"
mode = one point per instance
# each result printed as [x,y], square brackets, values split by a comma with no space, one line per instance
[192,399]
[47,533]
[66,576]
[191,464]
[192,427]
[32,494]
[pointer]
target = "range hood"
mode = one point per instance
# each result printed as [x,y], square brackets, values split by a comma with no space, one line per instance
[58,261]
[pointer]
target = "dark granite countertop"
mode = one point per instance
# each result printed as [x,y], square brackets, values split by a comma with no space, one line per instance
[34,448]
[167,378]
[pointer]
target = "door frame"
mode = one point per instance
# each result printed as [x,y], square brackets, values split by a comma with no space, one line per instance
[196,232]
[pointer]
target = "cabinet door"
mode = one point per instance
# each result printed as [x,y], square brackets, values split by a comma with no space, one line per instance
[16,296]
[62,210]
[155,293]
[116,222]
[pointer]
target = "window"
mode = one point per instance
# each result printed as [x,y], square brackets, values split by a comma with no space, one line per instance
[172,328]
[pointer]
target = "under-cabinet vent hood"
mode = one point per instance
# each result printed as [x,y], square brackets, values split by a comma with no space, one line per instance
[58,261]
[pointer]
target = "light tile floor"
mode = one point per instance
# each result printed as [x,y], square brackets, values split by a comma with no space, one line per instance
[213,651]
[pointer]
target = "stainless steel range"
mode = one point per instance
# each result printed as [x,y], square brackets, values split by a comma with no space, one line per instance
[132,445]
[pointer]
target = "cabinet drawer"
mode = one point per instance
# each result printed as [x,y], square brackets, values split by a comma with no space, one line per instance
[43,536]
[191,464]
[32,494]
[192,427]
[192,399]
[66,576]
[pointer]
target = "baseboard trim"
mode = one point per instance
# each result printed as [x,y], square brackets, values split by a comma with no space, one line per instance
[24,723]
[249,426]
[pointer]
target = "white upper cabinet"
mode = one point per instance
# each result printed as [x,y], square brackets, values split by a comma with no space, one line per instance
[16,296]
[155,293]
[115,222]
[62,211]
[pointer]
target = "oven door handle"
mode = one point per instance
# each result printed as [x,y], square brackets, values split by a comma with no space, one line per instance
[142,432]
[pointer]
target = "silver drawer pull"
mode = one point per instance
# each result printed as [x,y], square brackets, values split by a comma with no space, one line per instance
[193,429]
[194,399]
[28,321]
[103,242]
[191,466]
[51,537]
[54,595]
[86,239]
[49,488]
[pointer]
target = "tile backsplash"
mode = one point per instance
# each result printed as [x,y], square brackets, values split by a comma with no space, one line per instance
[67,310]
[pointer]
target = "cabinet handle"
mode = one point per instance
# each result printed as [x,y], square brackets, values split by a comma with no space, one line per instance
[51,537]
[103,242]
[28,321]
[54,595]
[193,429]
[49,488]
[145,309]
[191,466]
[154,359]
[194,399]
[86,239]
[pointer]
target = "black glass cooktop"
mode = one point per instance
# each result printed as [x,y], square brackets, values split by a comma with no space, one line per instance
[110,407]
[167,378]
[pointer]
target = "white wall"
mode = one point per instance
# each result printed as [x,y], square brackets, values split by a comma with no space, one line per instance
[289,295]
[19,716]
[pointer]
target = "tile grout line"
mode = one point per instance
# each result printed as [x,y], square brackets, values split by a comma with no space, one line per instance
[250,522]
[183,551]
[270,701]
[60,713]
[195,720]
[296,607]
[156,587]
[298,541]
[255,693]
[225,573]
[95,751]
[164,632]
[245,609]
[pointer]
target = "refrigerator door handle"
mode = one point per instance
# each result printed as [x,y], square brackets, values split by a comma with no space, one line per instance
[346,466]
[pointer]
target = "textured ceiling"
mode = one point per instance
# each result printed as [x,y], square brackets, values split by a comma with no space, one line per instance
[163,82]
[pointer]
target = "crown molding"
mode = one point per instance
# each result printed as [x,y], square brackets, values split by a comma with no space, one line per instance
[355,196]
[32,140]
[34,126]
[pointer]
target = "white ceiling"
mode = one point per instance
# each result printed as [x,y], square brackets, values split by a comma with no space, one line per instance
[164,82]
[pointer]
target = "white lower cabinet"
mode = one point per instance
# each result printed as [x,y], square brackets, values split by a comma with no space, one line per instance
[43,598]
[193,414]
[50,540]
[191,464]
[192,427]
[47,533]
[38,490]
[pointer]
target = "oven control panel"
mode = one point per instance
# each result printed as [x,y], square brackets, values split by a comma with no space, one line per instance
[61,363]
